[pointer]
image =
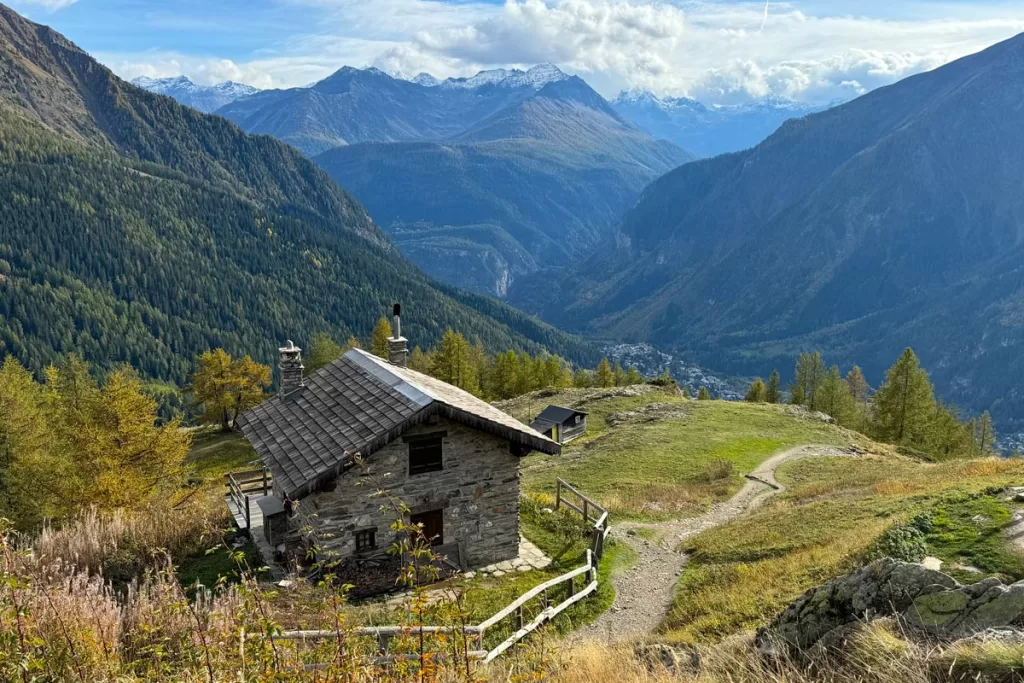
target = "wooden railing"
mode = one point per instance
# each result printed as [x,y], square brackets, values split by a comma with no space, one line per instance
[243,485]
[594,516]
[515,614]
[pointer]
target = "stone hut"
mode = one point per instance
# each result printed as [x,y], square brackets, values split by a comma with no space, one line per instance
[450,457]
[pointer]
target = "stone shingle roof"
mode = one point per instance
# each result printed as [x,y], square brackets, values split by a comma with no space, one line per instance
[358,404]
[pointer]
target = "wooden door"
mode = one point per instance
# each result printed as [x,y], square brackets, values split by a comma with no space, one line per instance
[433,525]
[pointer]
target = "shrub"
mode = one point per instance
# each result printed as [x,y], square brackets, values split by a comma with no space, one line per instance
[718,470]
[903,541]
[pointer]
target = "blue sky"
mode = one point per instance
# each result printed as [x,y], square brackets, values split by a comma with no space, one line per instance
[721,51]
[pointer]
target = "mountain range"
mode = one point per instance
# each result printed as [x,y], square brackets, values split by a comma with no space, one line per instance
[367,105]
[535,184]
[205,98]
[136,230]
[479,180]
[708,131]
[893,220]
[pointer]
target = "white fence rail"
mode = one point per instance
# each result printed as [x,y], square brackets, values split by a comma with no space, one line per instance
[580,583]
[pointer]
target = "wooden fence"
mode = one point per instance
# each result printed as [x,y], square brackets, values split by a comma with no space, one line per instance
[243,485]
[594,516]
[578,584]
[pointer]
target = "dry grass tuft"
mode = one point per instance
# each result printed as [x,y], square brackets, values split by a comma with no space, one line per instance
[120,544]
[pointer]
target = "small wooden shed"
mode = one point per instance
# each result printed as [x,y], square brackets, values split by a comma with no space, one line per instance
[561,424]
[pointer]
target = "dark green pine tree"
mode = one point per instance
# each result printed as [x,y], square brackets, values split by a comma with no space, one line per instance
[703,394]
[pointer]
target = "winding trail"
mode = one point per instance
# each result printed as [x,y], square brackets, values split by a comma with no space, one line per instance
[644,593]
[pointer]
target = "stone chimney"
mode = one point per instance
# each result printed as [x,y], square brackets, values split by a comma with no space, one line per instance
[398,346]
[291,368]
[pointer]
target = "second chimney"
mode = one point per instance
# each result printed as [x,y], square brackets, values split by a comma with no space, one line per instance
[291,369]
[398,346]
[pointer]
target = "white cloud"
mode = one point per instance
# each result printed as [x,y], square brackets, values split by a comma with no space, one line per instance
[721,52]
[51,5]
[724,51]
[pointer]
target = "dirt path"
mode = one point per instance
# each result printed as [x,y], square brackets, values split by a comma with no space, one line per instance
[644,593]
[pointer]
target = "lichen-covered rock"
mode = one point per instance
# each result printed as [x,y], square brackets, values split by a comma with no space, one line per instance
[883,588]
[928,601]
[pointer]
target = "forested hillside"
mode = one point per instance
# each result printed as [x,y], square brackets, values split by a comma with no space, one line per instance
[893,220]
[133,229]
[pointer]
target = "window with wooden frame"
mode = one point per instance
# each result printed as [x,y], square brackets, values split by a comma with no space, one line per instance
[366,539]
[425,454]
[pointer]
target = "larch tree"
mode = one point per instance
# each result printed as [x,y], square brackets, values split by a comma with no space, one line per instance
[379,338]
[252,379]
[773,391]
[948,436]
[582,379]
[858,384]
[757,393]
[452,363]
[905,403]
[420,361]
[810,372]
[620,375]
[604,377]
[225,388]
[127,458]
[984,436]
[502,376]
[33,479]
[703,394]
[322,352]
[834,398]
[633,376]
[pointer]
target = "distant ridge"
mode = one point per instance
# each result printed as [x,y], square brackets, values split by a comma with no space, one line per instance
[205,98]
[708,131]
[535,184]
[367,105]
[893,220]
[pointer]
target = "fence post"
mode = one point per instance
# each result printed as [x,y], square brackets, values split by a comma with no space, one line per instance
[586,514]
[248,516]
[519,618]
[558,494]
[266,487]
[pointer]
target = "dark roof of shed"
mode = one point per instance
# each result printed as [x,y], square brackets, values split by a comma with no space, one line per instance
[557,415]
[358,404]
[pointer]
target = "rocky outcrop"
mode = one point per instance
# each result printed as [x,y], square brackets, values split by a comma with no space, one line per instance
[928,602]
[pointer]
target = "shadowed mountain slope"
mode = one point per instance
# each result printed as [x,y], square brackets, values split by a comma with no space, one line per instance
[893,220]
[134,229]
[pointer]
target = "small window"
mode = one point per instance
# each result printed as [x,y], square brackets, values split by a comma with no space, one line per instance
[425,456]
[366,540]
[577,419]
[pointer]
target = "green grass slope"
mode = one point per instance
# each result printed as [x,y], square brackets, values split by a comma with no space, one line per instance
[650,454]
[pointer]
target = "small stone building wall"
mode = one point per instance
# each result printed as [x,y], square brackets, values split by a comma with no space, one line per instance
[478,490]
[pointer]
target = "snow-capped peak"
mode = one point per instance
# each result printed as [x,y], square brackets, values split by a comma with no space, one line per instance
[537,77]
[426,80]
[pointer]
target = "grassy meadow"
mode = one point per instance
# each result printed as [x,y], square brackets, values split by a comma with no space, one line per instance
[650,454]
[743,573]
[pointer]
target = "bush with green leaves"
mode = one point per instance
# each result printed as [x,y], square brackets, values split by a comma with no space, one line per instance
[903,541]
